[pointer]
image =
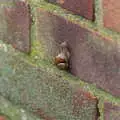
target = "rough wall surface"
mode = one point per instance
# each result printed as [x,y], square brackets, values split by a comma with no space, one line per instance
[84,8]
[111,111]
[33,82]
[111,14]
[15,24]
[10,112]
[53,95]
[94,58]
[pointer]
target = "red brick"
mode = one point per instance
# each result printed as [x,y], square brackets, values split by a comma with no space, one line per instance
[3,118]
[112,14]
[84,8]
[83,101]
[48,94]
[111,112]
[94,59]
[43,115]
[17,19]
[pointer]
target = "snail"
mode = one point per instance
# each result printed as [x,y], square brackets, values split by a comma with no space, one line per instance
[62,59]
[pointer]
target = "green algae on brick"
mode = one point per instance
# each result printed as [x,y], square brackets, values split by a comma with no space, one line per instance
[14,82]
[93,58]
[111,111]
[93,26]
[35,88]
[11,112]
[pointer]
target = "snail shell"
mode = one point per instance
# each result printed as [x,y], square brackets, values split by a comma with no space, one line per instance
[62,59]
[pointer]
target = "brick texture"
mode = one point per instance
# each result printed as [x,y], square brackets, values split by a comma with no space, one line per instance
[94,59]
[111,112]
[16,25]
[9,111]
[2,118]
[82,99]
[84,8]
[47,94]
[111,14]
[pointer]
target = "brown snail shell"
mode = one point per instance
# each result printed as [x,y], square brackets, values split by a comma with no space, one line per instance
[61,61]
[60,58]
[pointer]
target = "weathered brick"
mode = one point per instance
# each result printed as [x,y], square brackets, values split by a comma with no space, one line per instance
[15,24]
[43,115]
[3,118]
[9,111]
[94,59]
[84,8]
[111,14]
[47,94]
[111,112]
[82,99]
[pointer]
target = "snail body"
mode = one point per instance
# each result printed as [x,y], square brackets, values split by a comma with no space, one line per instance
[62,66]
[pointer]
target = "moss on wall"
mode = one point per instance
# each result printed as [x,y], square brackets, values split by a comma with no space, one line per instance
[92,26]
[36,57]
[12,112]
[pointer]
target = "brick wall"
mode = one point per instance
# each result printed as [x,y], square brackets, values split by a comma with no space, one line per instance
[90,89]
